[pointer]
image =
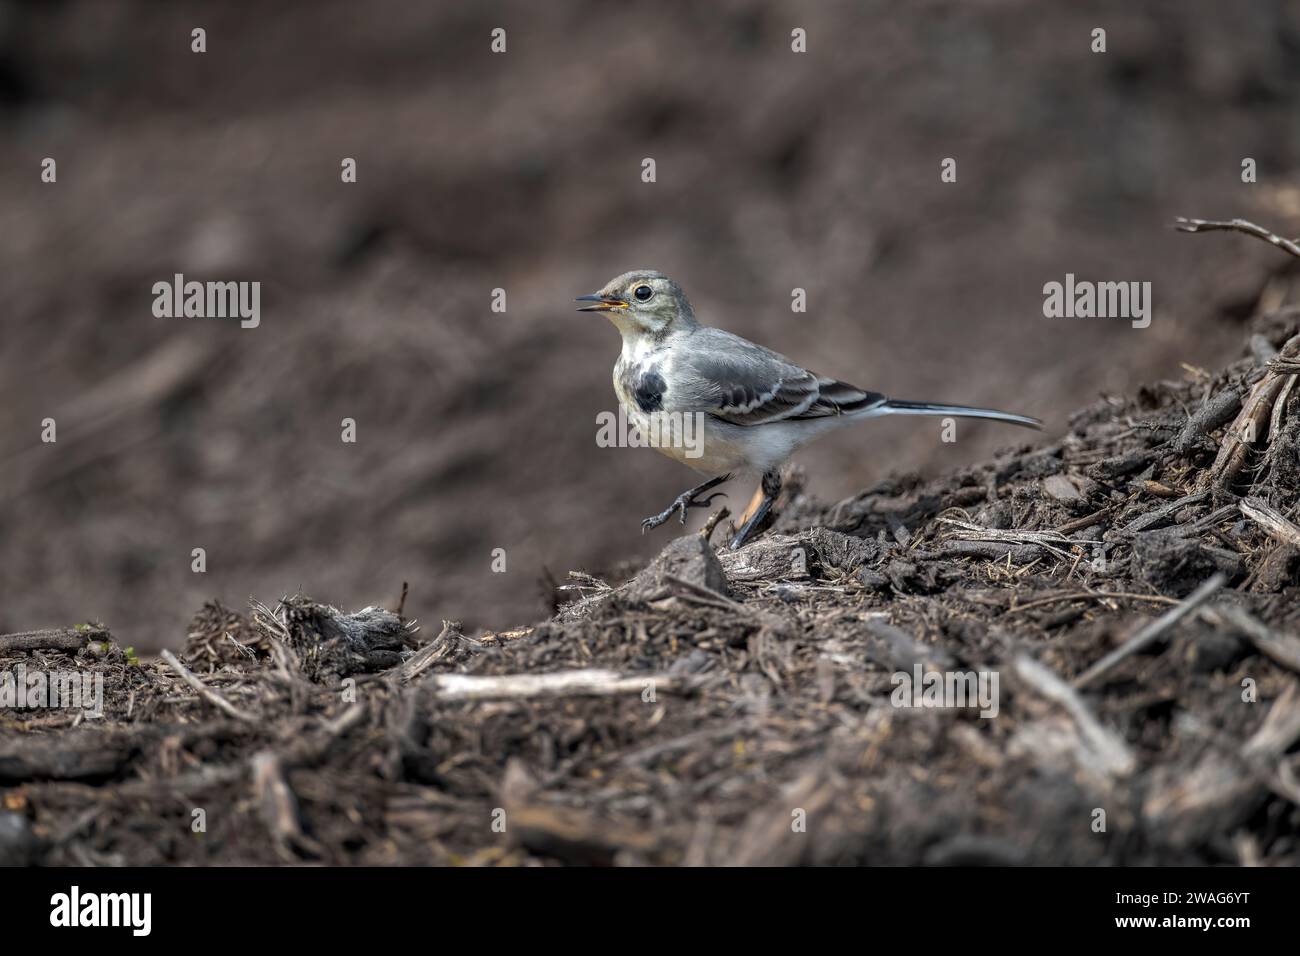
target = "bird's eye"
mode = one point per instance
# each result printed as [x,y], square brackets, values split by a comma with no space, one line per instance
[643,292]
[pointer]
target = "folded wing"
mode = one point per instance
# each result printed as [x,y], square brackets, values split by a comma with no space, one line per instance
[739,382]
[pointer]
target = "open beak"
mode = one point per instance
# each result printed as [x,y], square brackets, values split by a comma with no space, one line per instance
[604,303]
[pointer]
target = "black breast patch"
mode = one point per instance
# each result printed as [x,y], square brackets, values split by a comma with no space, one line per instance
[649,391]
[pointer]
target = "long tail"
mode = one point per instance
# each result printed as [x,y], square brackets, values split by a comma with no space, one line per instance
[893,406]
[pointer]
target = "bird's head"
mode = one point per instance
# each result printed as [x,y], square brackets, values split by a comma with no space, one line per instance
[642,302]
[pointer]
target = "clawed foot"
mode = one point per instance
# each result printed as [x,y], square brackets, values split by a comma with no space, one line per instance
[680,505]
[685,501]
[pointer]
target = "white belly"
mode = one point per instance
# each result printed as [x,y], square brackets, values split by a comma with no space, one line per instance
[712,447]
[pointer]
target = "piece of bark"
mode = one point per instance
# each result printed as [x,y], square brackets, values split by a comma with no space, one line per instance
[1061,488]
[1158,515]
[1213,414]
[53,638]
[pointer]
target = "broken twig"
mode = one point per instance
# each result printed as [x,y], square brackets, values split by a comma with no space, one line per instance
[1151,632]
[53,638]
[1237,225]
[1101,749]
[1271,520]
[588,683]
[204,691]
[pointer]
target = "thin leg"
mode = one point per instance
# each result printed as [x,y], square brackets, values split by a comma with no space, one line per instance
[771,488]
[686,500]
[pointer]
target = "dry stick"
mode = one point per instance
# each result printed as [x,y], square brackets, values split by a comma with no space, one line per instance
[1152,518]
[992,550]
[279,806]
[207,693]
[277,637]
[1088,596]
[1237,225]
[1282,648]
[1087,521]
[426,657]
[1047,540]
[1271,520]
[707,531]
[1159,490]
[53,638]
[1280,729]
[1247,428]
[592,683]
[1105,750]
[1279,406]
[1206,522]
[345,721]
[1262,403]
[1152,631]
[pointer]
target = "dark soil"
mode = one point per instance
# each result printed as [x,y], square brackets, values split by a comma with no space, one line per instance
[476,430]
[736,707]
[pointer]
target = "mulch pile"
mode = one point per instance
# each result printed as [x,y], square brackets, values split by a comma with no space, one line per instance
[1131,588]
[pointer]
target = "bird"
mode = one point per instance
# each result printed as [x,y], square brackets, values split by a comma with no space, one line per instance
[755,407]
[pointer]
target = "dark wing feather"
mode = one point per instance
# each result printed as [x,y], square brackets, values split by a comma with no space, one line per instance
[745,384]
[840,398]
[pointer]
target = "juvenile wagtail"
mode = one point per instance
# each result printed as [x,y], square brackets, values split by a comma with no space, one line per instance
[757,407]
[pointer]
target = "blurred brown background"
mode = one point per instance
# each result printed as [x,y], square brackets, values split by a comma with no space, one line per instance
[522,171]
